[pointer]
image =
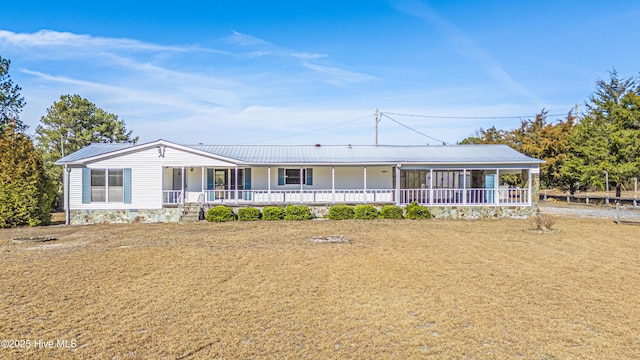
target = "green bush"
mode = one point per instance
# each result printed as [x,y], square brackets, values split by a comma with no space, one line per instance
[341,212]
[391,212]
[220,214]
[248,214]
[272,213]
[416,212]
[297,212]
[366,212]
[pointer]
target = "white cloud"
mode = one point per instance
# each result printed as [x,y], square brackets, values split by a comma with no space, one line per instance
[44,39]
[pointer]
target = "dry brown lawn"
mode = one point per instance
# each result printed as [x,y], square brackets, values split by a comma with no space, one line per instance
[401,289]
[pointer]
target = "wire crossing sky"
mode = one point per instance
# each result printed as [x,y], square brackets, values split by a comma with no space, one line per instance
[308,72]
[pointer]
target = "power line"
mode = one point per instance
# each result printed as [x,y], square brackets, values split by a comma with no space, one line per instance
[412,129]
[467,117]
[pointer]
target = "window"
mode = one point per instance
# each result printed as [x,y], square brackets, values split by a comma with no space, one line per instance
[115,185]
[98,186]
[107,185]
[292,176]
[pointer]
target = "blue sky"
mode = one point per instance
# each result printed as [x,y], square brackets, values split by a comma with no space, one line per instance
[307,72]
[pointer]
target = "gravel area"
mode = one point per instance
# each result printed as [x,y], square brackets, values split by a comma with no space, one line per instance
[591,211]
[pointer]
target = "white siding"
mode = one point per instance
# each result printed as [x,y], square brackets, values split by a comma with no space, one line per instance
[146,176]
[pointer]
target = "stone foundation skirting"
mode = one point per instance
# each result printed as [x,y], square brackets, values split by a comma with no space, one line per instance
[84,217]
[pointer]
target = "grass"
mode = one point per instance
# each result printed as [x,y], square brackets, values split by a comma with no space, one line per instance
[401,289]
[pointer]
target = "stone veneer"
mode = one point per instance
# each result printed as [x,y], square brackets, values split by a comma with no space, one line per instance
[85,217]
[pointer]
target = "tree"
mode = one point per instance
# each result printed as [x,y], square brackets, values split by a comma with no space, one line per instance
[542,140]
[539,139]
[490,136]
[607,138]
[26,192]
[73,123]
[11,102]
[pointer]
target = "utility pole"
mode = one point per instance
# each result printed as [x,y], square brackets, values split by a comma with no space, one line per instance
[375,115]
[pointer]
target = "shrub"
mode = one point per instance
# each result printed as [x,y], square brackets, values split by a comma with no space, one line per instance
[341,212]
[297,212]
[220,214]
[248,214]
[272,213]
[366,212]
[391,212]
[417,212]
[542,221]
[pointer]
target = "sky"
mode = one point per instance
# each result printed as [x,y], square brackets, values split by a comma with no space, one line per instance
[312,72]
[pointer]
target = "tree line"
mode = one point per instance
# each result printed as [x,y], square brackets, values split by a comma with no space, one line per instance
[580,148]
[30,183]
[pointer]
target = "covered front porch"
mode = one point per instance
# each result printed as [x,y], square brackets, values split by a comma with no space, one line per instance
[318,185]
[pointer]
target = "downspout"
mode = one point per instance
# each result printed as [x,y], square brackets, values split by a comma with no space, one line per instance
[66,189]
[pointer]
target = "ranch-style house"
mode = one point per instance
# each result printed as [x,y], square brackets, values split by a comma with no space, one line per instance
[161,180]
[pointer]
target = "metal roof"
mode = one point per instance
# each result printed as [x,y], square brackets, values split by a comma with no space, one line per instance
[333,154]
[345,154]
[95,149]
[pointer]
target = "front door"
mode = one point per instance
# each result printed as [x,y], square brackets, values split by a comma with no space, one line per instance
[221,183]
[177,180]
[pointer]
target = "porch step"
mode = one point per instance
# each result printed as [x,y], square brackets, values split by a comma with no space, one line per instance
[190,213]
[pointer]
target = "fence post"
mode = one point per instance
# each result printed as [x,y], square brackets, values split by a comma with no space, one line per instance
[635,192]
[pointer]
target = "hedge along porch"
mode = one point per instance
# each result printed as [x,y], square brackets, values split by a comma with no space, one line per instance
[156,180]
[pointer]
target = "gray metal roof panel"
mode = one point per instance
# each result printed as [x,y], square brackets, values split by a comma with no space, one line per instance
[92,150]
[338,154]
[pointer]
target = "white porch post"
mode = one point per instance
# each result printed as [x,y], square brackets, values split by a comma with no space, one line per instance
[398,184]
[430,186]
[269,184]
[333,184]
[464,186]
[530,187]
[496,186]
[182,184]
[301,185]
[365,184]
[235,194]
[204,196]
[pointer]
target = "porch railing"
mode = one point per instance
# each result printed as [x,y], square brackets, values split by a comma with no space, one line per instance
[305,196]
[171,196]
[501,196]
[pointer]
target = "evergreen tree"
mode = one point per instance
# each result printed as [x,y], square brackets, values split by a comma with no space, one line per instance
[11,102]
[607,138]
[25,190]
